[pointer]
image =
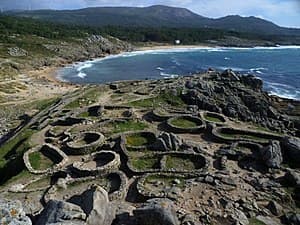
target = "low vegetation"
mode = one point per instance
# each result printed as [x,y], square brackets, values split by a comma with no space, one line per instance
[162,99]
[183,123]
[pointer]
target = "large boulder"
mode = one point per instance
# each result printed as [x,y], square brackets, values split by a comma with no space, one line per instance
[272,154]
[168,142]
[101,210]
[92,207]
[61,213]
[156,212]
[12,213]
[291,148]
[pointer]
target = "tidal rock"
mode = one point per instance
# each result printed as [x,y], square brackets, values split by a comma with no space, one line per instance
[230,75]
[291,147]
[12,213]
[272,154]
[157,212]
[252,81]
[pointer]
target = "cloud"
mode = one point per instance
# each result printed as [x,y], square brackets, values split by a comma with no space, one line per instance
[283,12]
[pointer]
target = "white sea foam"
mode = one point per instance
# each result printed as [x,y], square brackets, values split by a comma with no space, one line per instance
[81,75]
[167,75]
[227,58]
[160,69]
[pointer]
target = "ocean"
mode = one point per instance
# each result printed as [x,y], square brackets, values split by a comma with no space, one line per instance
[278,67]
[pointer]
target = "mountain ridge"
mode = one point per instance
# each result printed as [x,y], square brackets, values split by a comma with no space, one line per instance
[156,16]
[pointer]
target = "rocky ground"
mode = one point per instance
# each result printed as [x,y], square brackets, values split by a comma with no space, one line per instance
[210,148]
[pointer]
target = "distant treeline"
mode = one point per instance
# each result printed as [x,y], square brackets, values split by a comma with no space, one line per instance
[26,26]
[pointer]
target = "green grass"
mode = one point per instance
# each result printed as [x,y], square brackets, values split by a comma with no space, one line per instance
[254,221]
[90,97]
[183,123]
[162,99]
[244,136]
[15,146]
[179,163]
[43,104]
[146,162]
[39,161]
[119,127]
[136,140]
[213,119]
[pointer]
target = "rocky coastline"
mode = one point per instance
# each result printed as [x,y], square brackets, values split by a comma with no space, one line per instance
[200,149]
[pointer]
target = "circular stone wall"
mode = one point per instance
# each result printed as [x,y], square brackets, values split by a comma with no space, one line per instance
[85,143]
[98,163]
[185,124]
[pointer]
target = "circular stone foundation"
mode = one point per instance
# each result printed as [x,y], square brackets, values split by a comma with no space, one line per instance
[98,163]
[139,139]
[228,134]
[185,124]
[85,143]
[213,117]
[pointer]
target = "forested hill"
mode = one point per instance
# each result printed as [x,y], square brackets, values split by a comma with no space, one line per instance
[156,16]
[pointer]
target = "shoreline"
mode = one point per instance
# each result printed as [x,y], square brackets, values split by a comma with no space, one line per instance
[52,73]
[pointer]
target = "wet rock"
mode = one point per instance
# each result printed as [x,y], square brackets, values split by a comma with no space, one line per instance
[12,213]
[230,75]
[275,208]
[252,81]
[156,212]
[272,154]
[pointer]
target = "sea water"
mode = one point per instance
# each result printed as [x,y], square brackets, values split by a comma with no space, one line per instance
[278,67]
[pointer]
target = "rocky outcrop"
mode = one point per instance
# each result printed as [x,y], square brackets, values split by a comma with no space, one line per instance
[61,213]
[272,154]
[168,142]
[17,52]
[157,212]
[90,208]
[12,213]
[291,147]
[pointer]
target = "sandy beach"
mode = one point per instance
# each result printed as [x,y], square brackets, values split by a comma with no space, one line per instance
[159,47]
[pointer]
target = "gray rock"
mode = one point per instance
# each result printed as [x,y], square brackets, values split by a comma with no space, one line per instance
[275,208]
[168,142]
[12,213]
[157,212]
[17,52]
[292,219]
[239,217]
[272,154]
[267,220]
[292,178]
[102,211]
[291,148]
[59,212]
[90,208]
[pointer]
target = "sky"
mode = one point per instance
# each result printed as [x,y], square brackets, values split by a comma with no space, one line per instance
[282,12]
